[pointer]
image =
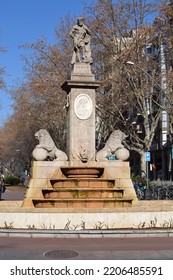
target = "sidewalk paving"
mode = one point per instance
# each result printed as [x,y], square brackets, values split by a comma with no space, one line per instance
[13,193]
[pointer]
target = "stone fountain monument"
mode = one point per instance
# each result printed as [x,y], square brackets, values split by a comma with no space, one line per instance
[82,189]
[83,178]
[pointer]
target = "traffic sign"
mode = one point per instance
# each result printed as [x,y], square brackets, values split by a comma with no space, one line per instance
[147,156]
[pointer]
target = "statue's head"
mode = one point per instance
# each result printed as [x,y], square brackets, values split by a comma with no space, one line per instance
[80,21]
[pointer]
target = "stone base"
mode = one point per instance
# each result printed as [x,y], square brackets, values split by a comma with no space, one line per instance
[147,214]
[113,188]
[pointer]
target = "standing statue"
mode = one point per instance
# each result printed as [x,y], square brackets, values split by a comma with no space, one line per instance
[81,39]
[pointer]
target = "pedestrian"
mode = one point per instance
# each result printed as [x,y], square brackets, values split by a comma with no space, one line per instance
[2,185]
[26,182]
[136,186]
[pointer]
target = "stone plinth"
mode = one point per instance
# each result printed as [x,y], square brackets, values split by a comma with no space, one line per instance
[80,90]
[113,218]
[82,72]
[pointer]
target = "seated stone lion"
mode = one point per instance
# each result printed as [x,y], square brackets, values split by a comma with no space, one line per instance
[46,148]
[114,147]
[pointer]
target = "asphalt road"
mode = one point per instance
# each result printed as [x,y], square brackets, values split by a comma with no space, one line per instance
[19,248]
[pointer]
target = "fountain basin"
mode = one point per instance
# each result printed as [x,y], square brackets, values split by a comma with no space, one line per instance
[82,172]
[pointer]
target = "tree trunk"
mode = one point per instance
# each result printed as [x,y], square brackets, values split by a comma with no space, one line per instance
[143,164]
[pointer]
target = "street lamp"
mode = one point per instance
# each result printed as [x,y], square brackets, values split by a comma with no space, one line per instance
[130,62]
[145,72]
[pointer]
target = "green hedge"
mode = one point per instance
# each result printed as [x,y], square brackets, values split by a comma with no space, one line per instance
[12,180]
[139,180]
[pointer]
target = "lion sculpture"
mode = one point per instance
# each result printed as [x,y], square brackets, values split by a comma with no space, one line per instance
[46,148]
[114,147]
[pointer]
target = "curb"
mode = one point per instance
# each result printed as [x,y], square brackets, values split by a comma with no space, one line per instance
[85,233]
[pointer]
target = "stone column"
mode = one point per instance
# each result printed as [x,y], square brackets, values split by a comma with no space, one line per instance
[80,90]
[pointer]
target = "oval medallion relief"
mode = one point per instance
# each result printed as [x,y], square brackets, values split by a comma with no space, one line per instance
[83,106]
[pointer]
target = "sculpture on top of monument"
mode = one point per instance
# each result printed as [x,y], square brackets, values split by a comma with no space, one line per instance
[46,149]
[81,39]
[114,147]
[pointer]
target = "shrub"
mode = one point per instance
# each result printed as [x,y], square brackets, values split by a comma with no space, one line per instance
[12,180]
[141,181]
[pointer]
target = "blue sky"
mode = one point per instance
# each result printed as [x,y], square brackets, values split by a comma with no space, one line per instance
[25,21]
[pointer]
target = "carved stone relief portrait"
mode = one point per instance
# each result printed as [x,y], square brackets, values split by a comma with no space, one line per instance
[83,106]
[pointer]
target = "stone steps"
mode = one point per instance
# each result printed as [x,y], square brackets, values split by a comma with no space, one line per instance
[82,192]
[82,183]
[83,203]
[79,193]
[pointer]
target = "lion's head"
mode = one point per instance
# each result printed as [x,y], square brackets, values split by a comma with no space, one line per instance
[45,140]
[117,136]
